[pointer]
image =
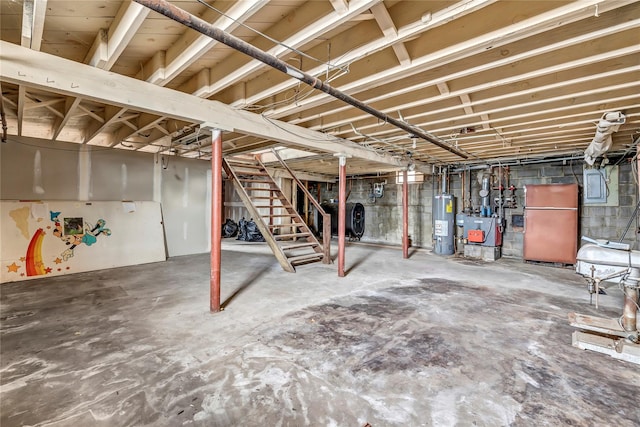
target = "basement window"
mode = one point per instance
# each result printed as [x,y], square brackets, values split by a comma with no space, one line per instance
[412,177]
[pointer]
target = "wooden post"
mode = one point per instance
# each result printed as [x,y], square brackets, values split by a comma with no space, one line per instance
[306,203]
[326,238]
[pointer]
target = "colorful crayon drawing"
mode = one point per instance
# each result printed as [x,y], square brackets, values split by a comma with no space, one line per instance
[76,232]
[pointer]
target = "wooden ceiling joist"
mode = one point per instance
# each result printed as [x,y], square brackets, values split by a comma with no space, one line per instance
[25,67]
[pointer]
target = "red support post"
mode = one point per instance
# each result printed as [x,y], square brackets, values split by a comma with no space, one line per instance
[342,209]
[216,219]
[405,215]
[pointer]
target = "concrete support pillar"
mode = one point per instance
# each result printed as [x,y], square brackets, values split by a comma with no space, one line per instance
[405,215]
[216,219]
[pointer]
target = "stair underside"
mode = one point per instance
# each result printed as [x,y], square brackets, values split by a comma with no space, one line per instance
[290,239]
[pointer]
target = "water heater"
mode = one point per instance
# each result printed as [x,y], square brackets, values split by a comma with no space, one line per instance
[443,224]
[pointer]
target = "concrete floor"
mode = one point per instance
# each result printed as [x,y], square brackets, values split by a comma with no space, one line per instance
[426,341]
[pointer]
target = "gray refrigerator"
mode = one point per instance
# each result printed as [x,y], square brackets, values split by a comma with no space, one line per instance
[551,223]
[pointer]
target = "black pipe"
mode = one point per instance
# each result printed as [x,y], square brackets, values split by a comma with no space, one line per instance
[179,15]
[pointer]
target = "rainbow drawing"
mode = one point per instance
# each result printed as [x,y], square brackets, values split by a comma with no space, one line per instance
[34,264]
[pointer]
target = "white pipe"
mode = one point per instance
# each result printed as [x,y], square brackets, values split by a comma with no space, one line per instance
[609,123]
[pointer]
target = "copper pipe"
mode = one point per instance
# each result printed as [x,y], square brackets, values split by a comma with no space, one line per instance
[405,214]
[216,220]
[342,213]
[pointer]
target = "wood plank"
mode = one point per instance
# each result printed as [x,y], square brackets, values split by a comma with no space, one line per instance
[299,246]
[290,236]
[304,258]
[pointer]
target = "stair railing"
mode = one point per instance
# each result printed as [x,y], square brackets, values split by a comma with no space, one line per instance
[326,218]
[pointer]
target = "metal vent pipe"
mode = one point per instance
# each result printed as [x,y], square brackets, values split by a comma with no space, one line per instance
[185,18]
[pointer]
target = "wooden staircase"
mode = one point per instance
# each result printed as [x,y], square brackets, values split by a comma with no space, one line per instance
[284,230]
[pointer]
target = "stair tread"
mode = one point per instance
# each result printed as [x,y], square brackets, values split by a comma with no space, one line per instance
[296,224]
[240,164]
[299,245]
[254,173]
[290,235]
[260,189]
[305,257]
[266,181]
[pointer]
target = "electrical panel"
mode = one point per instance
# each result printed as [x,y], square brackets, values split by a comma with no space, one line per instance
[601,186]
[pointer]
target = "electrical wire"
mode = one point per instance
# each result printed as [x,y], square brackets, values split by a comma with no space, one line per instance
[573,172]
[328,64]
[306,91]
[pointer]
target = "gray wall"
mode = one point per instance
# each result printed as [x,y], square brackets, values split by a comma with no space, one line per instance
[384,215]
[57,178]
[75,172]
[183,189]
[186,206]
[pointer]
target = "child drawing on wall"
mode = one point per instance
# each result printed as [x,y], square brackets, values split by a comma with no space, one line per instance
[76,232]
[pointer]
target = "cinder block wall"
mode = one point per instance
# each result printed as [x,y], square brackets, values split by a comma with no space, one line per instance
[600,222]
[383,223]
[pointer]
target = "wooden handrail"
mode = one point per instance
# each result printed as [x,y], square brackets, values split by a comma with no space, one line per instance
[299,183]
[326,218]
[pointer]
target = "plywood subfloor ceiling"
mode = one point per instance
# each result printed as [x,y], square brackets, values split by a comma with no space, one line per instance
[495,80]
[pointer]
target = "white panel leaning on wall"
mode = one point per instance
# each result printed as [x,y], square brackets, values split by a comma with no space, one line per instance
[49,238]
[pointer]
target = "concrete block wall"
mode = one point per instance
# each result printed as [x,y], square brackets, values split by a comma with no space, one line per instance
[600,222]
[383,223]
[383,215]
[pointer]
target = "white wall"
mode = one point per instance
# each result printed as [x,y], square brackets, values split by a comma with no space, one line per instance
[186,206]
[33,169]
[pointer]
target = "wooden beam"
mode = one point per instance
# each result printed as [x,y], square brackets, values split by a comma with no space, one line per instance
[109,45]
[111,113]
[305,176]
[37,103]
[221,79]
[411,30]
[70,105]
[605,94]
[91,113]
[340,6]
[22,95]
[388,27]
[609,27]
[58,75]
[144,122]
[530,76]
[33,15]
[520,30]
[191,45]
[466,103]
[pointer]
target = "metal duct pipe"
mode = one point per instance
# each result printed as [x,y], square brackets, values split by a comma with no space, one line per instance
[609,123]
[485,193]
[444,180]
[185,18]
